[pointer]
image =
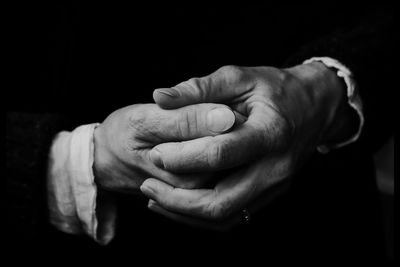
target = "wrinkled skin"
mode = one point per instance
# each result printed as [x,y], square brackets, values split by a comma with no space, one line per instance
[124,140]
[288,112]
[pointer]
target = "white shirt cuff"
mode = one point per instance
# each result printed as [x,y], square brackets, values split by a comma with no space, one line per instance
[353,98]
[72,191]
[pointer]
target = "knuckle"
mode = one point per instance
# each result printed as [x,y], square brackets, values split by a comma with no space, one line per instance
[197,87]
[137,120]
[192,84]
[188,84]
[194,180]
[231,69]
[187,123]
[219,211]
[185,182]
[193,87]
[232,73]
[191,184]
[215,156]
[171,155]
[143,125]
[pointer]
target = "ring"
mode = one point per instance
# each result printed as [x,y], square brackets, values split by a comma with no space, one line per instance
[246,216]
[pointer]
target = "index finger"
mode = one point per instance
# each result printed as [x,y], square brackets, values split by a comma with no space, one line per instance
[242,189]
[246,142]
[230,195]
[155,125]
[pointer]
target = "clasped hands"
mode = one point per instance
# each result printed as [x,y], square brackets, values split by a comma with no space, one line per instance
[210,147]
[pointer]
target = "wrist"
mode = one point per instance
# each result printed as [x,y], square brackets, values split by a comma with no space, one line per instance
[327,97]
[109,172]
[320,82]
[98,164]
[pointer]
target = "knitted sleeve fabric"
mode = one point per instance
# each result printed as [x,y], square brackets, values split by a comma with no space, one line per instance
[28,139]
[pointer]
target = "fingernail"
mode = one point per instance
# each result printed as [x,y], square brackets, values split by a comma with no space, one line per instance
[220,119]
[153,206]
[170,92]
[151,203]
[146,189]
[155,157]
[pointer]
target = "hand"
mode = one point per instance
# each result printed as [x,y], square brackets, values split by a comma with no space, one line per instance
[289,112]
[123,142]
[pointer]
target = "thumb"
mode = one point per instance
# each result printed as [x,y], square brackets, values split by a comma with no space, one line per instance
[189,122]
[220,86]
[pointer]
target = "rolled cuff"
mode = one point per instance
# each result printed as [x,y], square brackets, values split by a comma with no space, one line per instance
[353,99]
[71,187]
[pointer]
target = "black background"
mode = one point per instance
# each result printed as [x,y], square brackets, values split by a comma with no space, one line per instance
[99,57]
[87,60]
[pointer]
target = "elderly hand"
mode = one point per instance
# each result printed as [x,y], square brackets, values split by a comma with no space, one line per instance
[288,113]
[123,142]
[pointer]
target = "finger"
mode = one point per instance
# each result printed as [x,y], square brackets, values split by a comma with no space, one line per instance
[200,203]
[212,204]
[228,224]
[252,208]
[248,141]
[185,201]
[230,196]
[194,222]
[157,125]
[221,86]
[186,181]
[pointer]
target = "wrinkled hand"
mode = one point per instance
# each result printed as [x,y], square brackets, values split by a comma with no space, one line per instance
[288,113]
[123,142]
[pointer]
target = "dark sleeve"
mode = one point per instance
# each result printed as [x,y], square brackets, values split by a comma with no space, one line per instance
[367,49]
[28,139]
